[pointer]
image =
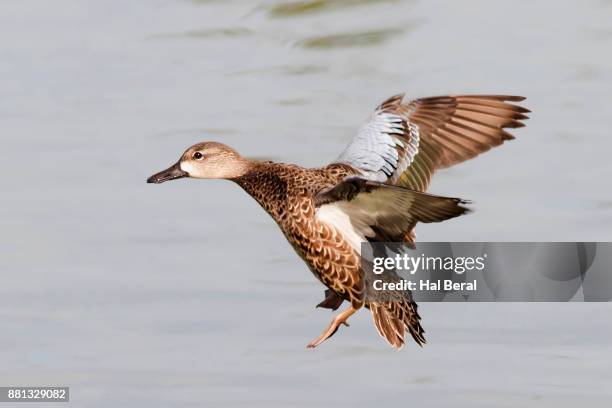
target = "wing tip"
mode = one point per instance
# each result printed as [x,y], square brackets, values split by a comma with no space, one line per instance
[515,98]
[463,210]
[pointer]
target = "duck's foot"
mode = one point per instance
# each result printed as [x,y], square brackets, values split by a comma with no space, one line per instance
[332,300]
[333,327]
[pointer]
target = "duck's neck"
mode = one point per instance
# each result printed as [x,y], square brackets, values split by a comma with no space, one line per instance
[263,182]
[238,168]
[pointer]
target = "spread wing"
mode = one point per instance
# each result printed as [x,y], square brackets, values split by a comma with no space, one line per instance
[404,143]
[369,210]
[384,146]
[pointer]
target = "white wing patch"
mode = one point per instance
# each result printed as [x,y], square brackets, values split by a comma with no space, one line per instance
[353,226]
[383,148]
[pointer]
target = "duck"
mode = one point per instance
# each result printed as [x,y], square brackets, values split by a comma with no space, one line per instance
[374,191]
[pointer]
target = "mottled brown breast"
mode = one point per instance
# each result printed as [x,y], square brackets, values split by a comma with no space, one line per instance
[287,193]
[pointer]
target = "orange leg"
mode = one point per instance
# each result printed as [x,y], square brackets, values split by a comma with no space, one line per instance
[333,327]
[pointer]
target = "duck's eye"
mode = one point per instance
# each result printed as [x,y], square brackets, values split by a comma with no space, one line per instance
[198,155]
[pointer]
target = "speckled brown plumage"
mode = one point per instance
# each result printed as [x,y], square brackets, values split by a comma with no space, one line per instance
[287,192]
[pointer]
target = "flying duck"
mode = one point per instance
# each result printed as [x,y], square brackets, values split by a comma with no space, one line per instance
[374,191]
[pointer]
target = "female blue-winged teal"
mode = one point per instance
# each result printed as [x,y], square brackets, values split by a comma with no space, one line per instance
[373,192]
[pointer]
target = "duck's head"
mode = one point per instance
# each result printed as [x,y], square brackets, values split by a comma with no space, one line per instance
[207,160]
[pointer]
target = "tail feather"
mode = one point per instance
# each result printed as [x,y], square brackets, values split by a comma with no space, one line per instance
[393,319]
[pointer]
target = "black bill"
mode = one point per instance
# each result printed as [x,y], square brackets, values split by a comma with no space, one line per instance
[171,173]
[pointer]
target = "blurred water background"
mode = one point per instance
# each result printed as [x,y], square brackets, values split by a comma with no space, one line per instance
[186,294]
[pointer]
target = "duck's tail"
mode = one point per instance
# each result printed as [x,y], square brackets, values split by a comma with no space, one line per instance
[394,318]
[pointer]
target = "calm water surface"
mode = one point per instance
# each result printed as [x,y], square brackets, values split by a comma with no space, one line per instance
[186,294]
